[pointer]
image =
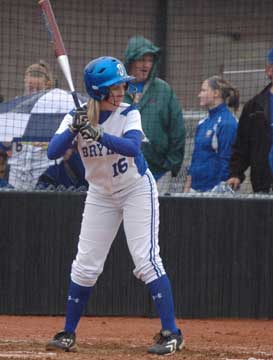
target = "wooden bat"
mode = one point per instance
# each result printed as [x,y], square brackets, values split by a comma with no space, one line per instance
[59,49]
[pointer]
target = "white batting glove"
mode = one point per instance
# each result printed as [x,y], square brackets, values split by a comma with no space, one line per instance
[79,120]
[91,133]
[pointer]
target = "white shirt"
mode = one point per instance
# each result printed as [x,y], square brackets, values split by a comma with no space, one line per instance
[106,171]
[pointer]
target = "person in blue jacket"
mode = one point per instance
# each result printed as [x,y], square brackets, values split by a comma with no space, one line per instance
[214,137]
[68,174]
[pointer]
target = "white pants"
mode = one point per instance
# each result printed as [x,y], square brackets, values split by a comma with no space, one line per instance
[138,207]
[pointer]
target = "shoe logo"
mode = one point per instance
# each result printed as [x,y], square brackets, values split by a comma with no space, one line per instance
[157,296]
[67,342]
[76,300]
[172,345]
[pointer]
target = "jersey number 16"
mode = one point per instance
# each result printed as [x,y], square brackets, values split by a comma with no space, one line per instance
[120,167]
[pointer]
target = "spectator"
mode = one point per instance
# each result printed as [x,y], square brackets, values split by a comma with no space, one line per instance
[44,108]
[1,98]
[161,114]
[253,146]
[38,77]
[69,174]
[214,137]
[4,168]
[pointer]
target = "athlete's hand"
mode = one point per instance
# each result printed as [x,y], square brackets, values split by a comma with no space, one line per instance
[91,133]
[80,119]
[234,183]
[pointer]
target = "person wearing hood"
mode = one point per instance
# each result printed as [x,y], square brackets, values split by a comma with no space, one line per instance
[161,113]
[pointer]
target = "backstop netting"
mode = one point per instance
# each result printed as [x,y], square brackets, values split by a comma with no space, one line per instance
[198,39]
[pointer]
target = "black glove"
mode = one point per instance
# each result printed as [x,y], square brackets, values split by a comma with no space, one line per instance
[91,133]
[79,120]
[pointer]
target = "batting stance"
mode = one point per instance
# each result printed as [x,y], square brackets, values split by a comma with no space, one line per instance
[121,187]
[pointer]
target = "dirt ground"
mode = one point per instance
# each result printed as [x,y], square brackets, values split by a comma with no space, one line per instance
[105,338]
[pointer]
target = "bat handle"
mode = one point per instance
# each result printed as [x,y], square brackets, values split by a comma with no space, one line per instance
[76,100]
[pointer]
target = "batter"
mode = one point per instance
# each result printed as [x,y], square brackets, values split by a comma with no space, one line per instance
[121,187]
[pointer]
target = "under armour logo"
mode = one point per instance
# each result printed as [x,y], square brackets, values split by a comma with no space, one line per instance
[67,342]
[157,296]
[76,300]
[172,345]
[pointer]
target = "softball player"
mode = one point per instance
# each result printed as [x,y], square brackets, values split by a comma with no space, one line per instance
[121,187]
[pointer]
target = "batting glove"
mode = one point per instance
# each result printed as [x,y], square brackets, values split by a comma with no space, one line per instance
[91,133]
[79,120]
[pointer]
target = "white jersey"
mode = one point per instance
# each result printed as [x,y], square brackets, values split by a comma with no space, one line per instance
[105,170]
[28,161]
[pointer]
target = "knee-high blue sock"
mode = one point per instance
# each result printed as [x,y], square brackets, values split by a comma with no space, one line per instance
[77,299]
[161,292]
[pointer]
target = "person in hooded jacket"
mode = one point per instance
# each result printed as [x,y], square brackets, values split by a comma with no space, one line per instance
[161,113]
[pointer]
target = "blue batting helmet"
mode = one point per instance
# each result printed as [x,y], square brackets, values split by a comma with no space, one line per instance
[102,73]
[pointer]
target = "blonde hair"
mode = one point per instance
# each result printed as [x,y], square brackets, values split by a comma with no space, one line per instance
[228,92]
[41,69]
[93,111]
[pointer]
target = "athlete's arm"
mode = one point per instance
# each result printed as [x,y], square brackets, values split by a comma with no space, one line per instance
[128,145]
[59,144]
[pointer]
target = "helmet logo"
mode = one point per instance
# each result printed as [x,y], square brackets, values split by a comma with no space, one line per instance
[121,70]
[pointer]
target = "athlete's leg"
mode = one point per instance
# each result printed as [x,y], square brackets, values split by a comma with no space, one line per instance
[100,223]
[141,224]
[77,299]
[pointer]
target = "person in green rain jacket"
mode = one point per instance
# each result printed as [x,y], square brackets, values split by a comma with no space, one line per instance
[161,113]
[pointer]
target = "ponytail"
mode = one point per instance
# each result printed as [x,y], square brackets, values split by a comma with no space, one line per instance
[93,111]
[228,92]
[233,101]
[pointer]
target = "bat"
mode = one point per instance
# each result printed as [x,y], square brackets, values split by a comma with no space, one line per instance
[59,49]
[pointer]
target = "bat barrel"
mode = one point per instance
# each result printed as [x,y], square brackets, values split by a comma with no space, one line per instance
[52,27]
[60,52]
